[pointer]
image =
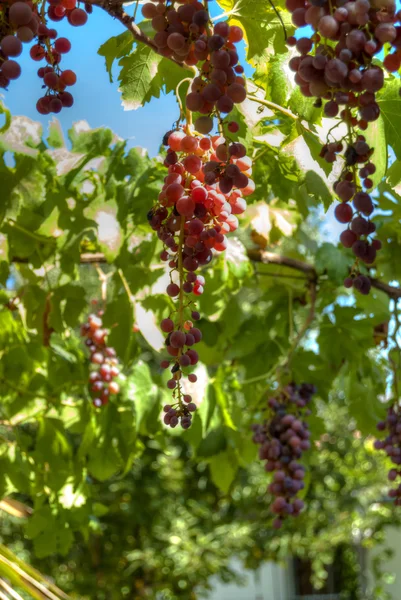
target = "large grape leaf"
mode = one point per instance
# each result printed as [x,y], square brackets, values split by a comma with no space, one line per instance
[144,75]
[364,388]
[271,75]
[141,391]
[116,47]
[223,468]
[333,261]
[261,24]
[376,137]
[390,107]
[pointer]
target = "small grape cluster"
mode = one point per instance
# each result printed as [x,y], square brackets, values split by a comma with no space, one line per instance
[360,227]
[336,66]
[185,33]
[22,21]
[103,358]
[392,446]
[282,439]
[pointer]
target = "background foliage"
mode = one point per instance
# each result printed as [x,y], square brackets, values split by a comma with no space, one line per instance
[74,237]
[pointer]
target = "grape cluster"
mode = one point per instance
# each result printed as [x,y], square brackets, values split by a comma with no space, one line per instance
[102,382]
[203,193]
[185,33]
[23,22]
[335,65]
[392,446]
[208,175]
[282,439]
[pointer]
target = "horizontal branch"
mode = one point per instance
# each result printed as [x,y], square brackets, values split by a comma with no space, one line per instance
[265,257]
[269,258]
[15,508]
[258,256]
[390,290]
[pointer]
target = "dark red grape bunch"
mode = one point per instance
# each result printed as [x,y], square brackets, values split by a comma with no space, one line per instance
[220,84]
[392,447]
[282,439]
[204,191]
[356,215]
[105,370]
[335,66]
[186,34]
[19,24]
[23,22]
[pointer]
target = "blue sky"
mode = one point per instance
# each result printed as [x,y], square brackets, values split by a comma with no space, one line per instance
[96,100]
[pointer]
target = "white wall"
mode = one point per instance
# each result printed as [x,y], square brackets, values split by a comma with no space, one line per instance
[393,566]
[274,582]
[271,582]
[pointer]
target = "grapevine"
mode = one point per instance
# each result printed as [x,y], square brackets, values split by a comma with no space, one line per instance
[336,67]
[25,22]
[392,446]
[102,382]
[208,178]
[283,437]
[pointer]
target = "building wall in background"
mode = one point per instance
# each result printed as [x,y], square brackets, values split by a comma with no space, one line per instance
[393,567]
[271,582]
[275,582]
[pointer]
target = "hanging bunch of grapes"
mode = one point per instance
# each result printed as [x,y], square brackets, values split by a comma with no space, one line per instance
[336,66]
[283,438]
[207,182]
[392,447]
[105,363]
[26,22]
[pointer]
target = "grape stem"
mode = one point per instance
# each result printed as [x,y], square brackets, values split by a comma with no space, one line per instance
[177,95]
[130,295]
[181,275]
[308,322]
[273,106]
[24,392]
[279,18]
[103,278]
[181,296]
[396,368]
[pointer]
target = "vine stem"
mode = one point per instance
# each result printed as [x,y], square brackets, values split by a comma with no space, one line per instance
[181,296]
[34,236]
[280,19]
[308,322]
[273,106]
[259,377]
[290,314]
[103,278]
[130,295]
[188,117]
[177,95]
[135,10]
[22,391]
[181,274]
[394,367]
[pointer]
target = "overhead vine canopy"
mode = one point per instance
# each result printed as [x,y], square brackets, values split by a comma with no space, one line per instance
[207,280]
